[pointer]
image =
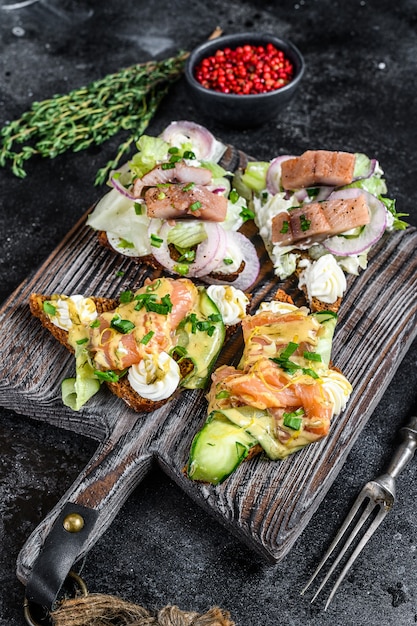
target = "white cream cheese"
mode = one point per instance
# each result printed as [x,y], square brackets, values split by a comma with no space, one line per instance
[277,307]
[231,302]
[156,377]
[324,279]
[73,310]
[338,388]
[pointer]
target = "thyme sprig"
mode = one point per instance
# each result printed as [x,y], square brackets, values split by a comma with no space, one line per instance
[124,101]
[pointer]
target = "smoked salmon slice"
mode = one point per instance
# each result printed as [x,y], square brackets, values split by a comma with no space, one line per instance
[318,167]
[175,201]
[318,220]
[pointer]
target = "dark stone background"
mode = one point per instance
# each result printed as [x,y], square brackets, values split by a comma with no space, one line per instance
[359,94]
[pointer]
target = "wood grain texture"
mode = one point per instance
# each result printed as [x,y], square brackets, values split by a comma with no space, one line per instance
[265,504]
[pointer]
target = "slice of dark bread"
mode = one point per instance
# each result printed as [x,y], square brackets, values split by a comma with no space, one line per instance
[122,388]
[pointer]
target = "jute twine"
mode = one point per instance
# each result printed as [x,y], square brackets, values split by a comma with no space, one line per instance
[104,610]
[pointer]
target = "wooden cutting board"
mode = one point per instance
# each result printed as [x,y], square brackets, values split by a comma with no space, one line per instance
[265,504]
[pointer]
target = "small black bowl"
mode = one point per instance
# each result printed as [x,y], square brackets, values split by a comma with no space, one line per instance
[242,111]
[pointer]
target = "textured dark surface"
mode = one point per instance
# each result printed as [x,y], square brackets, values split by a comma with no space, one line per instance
[358,94]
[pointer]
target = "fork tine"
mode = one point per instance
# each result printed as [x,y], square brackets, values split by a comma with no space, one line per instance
[364,516]
[368,534]
[353,511]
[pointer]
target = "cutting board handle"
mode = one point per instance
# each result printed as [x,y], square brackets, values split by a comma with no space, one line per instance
[85,512]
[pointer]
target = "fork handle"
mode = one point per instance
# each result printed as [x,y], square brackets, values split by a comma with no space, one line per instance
[405,451]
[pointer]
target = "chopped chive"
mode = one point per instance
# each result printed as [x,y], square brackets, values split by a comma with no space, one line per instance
[109,376]
[233,196]
[146,338]
[168,166]
[304,223]
[195,206]
[181,268]
[246,214]
[228,261]
[156,242]
[126,296]
[95,324]
[312,356]
[188,256]
[285,227]
[292,420]
[122,326]
[222,394]
[189,154]
[188,187]
[80,342]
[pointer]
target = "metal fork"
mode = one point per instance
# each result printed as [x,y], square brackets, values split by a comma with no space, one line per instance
[373,503]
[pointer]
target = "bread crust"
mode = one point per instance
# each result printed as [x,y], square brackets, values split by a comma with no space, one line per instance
[149,259]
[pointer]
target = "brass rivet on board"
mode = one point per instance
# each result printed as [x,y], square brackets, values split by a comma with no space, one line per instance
[73,523]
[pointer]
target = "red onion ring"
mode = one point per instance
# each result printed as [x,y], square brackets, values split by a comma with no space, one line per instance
[371,233]
[205,146]
[250,272]
[125,192]
[209,254]
[273,174]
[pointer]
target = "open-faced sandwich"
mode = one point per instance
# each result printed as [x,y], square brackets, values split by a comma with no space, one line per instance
[172,207]
[281,397]
[147,345]
[318,215]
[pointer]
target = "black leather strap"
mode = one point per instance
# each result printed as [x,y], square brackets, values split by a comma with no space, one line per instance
[57,556]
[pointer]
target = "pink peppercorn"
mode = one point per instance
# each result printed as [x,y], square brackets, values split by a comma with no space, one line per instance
[245,70]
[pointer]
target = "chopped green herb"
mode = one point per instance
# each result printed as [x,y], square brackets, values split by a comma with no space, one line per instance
[168,166]
[80,342]
[188,187]
[312,356]
[181,268]
[173,150]
[188,256]
[120,273]
[149,301]
[146,338]
[246,214]
[289,350]
[126,296]
[122,326]
[138,208]
[189,154]
[304,223]
[108,376]
[293,420]
[233,196]
[312,192]
[284,362]
[195,206]
[95,324]
[156,242]
[228,261]
[285,227]
[161,195]
[215,317]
